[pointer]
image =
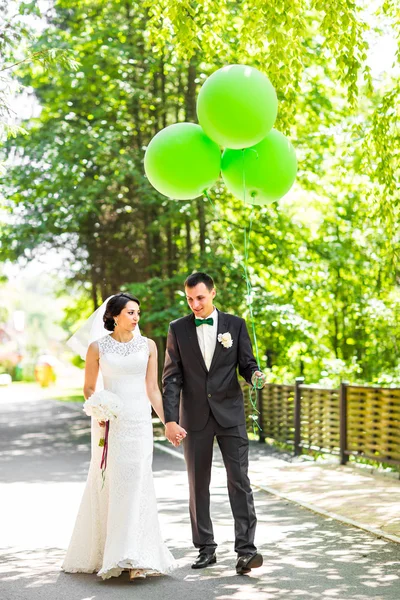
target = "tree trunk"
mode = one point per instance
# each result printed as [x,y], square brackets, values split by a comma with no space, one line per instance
[190,96]
[169,263]
[190,112]
[202,226]
[94,288]
[188,240]
[179,93]
[163,94]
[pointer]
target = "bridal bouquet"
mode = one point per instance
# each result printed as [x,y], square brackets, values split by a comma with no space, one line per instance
[103,406]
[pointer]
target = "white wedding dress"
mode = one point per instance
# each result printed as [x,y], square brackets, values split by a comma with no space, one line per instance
[117,526]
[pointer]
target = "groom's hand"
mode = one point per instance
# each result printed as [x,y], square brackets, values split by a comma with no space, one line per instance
[174,433]
[258,379]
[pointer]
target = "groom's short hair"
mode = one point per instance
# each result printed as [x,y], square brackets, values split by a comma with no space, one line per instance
[196,278]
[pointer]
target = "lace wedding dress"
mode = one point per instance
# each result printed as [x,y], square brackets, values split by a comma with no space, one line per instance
[117,526]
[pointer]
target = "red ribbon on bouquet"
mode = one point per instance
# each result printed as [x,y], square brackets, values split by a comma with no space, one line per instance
[105,450]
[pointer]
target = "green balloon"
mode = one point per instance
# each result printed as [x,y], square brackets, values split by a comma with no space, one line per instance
[181,161]
[237,106]
[263,173]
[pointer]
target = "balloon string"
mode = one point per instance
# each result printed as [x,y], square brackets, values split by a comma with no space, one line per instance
[244,264]
[249,287]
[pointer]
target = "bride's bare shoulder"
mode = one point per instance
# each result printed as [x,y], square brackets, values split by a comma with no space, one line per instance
[152,345]
[93,349]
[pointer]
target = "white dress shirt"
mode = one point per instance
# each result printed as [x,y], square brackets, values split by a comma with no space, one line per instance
[207,337]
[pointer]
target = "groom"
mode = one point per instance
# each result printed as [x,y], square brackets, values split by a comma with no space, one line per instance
[202,396]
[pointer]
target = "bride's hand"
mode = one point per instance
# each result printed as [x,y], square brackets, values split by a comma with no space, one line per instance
[174,433]
[102,423]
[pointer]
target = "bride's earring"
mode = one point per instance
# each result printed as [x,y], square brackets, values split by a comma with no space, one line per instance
[115,323]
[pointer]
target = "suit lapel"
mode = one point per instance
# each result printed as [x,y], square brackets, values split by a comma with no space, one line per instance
[222,328]
[192,335]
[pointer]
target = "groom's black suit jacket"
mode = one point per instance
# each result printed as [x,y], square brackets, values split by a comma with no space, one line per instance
[190,392]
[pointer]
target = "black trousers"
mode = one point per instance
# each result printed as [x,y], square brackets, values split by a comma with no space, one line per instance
[198,450]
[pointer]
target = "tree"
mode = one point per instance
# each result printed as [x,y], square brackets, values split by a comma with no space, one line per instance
[16,35]
[318,259]
[298,43]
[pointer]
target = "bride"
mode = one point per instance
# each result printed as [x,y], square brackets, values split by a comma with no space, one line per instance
[117,525]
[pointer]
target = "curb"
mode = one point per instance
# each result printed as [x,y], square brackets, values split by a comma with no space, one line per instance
[379,533]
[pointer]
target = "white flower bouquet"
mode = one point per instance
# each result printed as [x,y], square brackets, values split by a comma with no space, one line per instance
[103,406]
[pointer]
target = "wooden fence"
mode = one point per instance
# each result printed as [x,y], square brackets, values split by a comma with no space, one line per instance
[351,421]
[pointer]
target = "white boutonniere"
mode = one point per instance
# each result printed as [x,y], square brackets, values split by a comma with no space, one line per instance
[225,339]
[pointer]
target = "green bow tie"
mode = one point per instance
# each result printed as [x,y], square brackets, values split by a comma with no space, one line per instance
[209,321]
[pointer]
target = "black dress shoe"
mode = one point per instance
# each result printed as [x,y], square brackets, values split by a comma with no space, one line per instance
[203,560]
[247,562]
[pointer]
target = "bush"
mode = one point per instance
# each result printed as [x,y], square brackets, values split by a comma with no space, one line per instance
[7,366]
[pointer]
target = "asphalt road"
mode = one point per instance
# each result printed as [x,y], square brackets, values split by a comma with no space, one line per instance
[44,455]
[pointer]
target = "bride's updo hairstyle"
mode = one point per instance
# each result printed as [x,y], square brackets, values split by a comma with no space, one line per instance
[114,307]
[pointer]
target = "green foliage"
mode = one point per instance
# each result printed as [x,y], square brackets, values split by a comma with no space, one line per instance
[16,38]
[326,297]
[78,310]
[7,366]
[284,38]
[77,361]
[300,44]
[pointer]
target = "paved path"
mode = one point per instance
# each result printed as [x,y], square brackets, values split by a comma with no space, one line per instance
[44,454]
[355,494]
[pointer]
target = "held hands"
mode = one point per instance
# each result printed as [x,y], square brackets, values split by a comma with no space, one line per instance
[258,379]
[174,433]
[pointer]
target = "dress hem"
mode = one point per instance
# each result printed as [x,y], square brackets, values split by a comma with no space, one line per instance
[78,570]
[107,573]
[116,569]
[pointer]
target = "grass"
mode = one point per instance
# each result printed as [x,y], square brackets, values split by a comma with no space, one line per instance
[70,398]
[69,395]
